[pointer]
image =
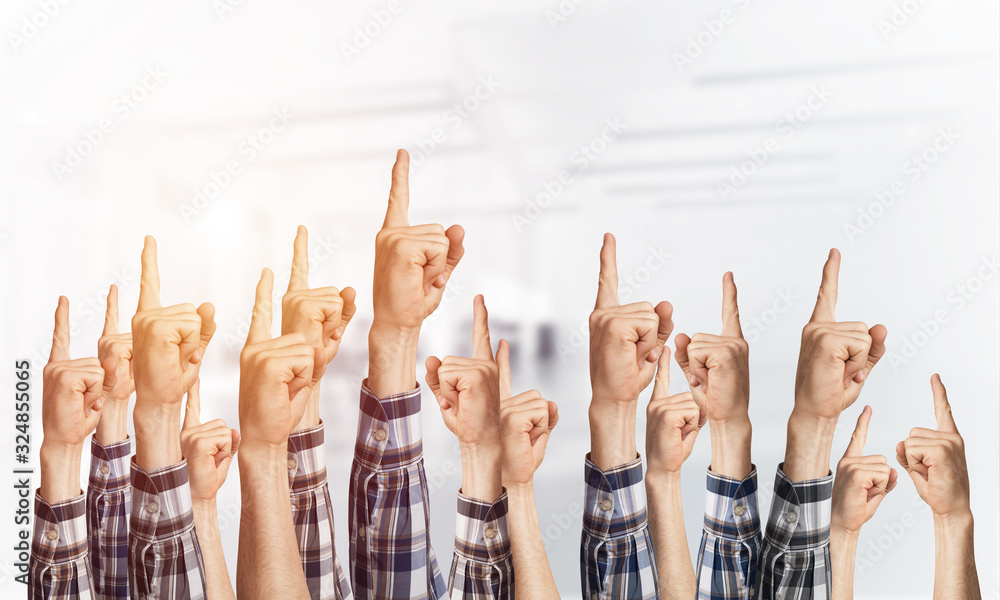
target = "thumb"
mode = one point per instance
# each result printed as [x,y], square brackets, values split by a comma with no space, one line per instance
[681,343]
[661,385]
[110,366]
[433,363]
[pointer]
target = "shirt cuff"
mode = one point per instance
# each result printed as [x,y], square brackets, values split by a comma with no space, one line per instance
[60,533]
[731,510]
[109,465]
[389,435]
[161,502]
[482,533]
[615,504]
[800,512]
[306,460]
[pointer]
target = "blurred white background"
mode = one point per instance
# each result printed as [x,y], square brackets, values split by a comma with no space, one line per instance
[220,125]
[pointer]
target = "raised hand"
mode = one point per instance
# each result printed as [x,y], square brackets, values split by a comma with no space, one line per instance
[935,460]
[412,266]
[527,421]
[625,343]
[718,366]
[468,393]
[168,343]
[412,263]
[209,449]
[320,314]
[113,426]
[861,483]
[672,423]
[276,376]
[73,394]
[836,357]
[835,360]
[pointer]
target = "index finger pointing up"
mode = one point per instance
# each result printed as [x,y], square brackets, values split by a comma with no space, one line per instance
[856,446]
[399,193]
[111,316]
[149,281]
[60,335]
[826,301]
[503,365]
[730,309]
[260,320]
[942,408]
[607,284]
[192,413]
[299,279]
[481,347]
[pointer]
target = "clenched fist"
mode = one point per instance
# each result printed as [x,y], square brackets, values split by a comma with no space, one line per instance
[836,357]
[276,376]
[209,449]
[625,341]
[113,426]
[935,460]
[412,263]
[718,366]
[73,395]
[468,393]
[73,391]
[861,483]
[672,423]
[320,314]
[527,421]
[168,344]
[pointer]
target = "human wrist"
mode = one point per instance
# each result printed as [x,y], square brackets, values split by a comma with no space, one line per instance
[60,467]
[807,451]
[310,418]
[157,435]
[957,523]
[731,447]
[659,479]
[392,359]
[612,434]
[481,472]
[113,426]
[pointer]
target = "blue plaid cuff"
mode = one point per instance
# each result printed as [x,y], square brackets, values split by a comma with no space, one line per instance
[615,502]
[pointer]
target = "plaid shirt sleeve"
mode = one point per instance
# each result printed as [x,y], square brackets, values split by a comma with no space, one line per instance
[616,551]
[109,499]
[163,552]
[795,560]
[391,554]
[730,540]
[312,513]
[58,568]
[482,568]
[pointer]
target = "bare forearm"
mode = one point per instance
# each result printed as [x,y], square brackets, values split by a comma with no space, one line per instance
[268,563]
[843,550]
[534,575]
[612,435]
[807,451]
[60,472]
[392,360]
[731,442]
[666,526]
[206,525]
[955,574]
[157,435]
[113,426]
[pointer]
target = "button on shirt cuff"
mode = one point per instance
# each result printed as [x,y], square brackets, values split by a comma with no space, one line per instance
[800,512]
[615,503]
[481,529]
